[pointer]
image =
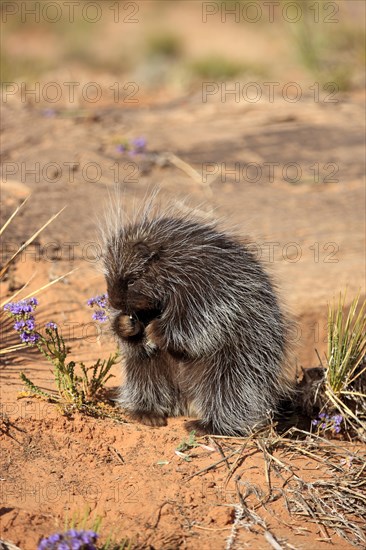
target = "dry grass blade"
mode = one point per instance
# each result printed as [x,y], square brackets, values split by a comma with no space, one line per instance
[10,349]
[8,221]
[272,541]
[14,347]
[342,407]
[248,518]
[187,168]
[16,293]
[222,454]
[47,285]
[334,503]
[335,499]
[355,393]
[235,465]
[28,242]
[38,290]
[211,466]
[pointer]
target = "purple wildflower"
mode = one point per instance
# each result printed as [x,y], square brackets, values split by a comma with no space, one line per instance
[51,325]
[134,146]
[21,307]
[139,144]
[71,540]
[29,338]
[49,113]
[100,300]
[14,308]
[30,324]
[337,420]
[89,536]
[100,316]
[11,308]
[55,538]
[19,325]
[327,422]
[24,320]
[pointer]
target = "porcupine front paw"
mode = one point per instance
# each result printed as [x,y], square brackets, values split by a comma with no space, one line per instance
[149,418]
[199,427]
[127,326]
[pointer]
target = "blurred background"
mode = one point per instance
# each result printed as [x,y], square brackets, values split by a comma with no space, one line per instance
[170,46]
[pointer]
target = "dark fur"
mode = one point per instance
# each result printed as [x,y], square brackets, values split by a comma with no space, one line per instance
[199,324]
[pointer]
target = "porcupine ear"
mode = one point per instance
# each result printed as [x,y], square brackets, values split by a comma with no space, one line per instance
[142,249]
[145,251]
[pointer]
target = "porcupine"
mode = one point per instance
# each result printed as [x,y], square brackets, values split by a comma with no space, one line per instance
[199,323]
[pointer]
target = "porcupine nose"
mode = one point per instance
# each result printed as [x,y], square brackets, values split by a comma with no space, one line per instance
[117,296]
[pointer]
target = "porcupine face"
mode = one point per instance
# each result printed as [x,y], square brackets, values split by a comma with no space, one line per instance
[131,279]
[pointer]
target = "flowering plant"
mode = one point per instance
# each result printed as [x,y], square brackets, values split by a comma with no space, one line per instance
[136,146]
[71,540]
[326,422]
[22,313]
[100,301]
[72,388]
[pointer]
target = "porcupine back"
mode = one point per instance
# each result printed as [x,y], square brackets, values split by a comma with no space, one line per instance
[215,302]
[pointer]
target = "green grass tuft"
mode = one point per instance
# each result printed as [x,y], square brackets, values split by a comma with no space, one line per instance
[346,344]
[331,53]
[89,520]
[345,373]
[164,44]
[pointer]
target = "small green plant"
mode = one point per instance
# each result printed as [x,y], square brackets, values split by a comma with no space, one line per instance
[77,390]
[187,445]
[190,443]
